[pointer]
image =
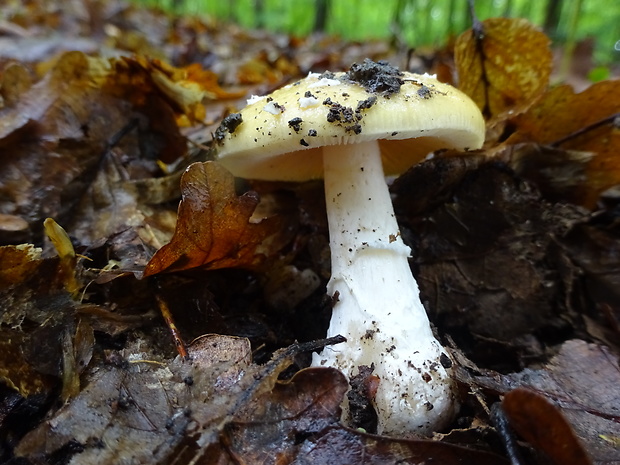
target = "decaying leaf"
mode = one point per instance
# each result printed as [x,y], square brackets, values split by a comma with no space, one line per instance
[139,409]
[38,329]
[77,350]
[594,247]
[15,371]
[503,63]
[214,228]
[18,264]
[585,122]
[305,405]
[163,412]
[346,447]
[127,212]
[471,217]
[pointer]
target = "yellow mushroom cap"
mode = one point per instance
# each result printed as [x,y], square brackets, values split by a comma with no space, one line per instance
[280,136]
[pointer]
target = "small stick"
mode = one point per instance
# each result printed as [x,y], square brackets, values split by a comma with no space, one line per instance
[613,119]
[176,334]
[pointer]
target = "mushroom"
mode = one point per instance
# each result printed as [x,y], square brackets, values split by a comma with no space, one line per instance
[352,129]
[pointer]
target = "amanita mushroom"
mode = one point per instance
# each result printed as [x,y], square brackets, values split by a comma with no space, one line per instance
[351,128]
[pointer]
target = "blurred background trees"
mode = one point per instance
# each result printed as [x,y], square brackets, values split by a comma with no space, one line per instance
[418,23]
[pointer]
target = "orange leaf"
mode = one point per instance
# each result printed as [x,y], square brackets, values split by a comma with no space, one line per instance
[503,64]
[210,82]
[213,227]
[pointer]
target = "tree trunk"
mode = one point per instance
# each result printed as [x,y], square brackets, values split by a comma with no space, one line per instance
[259,14]
[552,17]
[320,16]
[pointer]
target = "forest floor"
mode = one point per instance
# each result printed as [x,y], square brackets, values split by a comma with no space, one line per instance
[106,120]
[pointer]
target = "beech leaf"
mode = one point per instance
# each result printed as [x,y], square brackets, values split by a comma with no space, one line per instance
[503,63]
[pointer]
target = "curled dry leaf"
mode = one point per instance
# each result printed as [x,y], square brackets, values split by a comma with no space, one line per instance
[585,122]
[542,424]
[503,63]
[214,229]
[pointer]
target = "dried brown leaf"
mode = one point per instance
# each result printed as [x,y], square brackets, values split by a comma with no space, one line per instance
[305,405]
[214,229]
[503,63]
[572,121]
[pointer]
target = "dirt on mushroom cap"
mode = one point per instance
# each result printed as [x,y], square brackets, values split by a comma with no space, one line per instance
[372,101]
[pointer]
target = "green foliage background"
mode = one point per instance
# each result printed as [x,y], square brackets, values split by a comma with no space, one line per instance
[416,22]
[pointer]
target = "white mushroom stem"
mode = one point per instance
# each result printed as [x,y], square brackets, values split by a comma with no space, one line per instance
[379,309]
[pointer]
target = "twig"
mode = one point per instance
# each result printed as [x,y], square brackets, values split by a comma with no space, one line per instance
[613,119]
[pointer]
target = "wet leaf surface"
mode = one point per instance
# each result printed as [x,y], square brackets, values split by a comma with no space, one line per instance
[151,410]
[582,382]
